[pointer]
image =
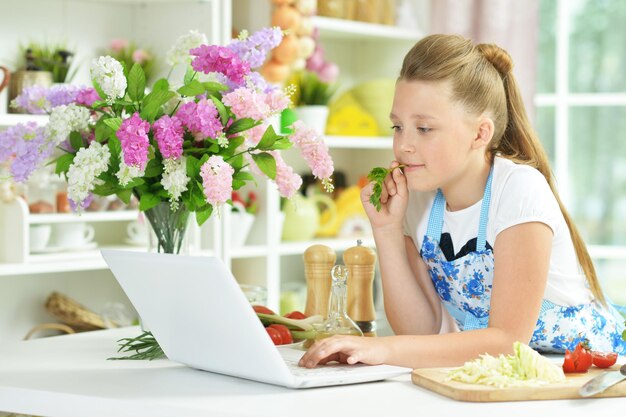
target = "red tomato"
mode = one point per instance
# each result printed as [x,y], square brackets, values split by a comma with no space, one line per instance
[604,359]
[262,309]
[578,360]
[274,335]
[296,315]
[285,334]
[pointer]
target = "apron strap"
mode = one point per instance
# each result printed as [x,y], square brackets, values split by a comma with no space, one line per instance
[435,219]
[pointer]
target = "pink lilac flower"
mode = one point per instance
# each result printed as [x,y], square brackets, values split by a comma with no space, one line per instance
[140,56]
[313,149]
[244,102]
[168,131]
[87,96]
[277,101]
[287,181]
[215,58]
[28,148]
[217,180]
[201,119]
[118,45]
[133,134]
[254,48]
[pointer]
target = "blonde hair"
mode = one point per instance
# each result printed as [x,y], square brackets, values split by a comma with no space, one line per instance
[482,80]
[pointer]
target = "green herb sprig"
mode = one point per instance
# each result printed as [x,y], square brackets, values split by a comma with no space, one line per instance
[377,175]
[145,347]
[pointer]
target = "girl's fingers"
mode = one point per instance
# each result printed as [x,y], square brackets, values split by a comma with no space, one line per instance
[400,181]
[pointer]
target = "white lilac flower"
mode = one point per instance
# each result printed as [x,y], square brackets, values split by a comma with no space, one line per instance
[128,172]
[82,175]
[180,51]
[66,119]
[175,178]
[109,74]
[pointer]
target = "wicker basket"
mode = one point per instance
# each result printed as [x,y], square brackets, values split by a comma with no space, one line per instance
[73,314]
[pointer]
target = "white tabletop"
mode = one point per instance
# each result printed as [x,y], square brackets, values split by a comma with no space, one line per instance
[69,376]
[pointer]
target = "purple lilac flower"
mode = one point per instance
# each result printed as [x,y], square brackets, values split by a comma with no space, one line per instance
[215,58]
[87,96]
[133,134]
[27,146]
[33,100]
[62,94]
[83,205]
[254,49]
[201,119]
[169,135]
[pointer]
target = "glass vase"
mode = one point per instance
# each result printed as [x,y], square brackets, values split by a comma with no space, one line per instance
[168,228]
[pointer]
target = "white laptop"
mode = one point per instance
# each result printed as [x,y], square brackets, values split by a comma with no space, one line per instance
[195,309]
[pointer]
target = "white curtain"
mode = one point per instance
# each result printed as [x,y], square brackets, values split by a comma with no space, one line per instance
[511,24]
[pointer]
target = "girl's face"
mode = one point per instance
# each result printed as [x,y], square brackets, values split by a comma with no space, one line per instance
[433,135]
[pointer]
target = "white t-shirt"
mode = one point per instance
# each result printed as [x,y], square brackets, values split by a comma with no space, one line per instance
[519,194]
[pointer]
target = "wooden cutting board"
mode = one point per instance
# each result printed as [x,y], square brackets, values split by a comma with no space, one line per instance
[434,379]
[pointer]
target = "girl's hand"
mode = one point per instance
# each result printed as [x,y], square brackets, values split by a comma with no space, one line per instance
[394,199]
[345,349]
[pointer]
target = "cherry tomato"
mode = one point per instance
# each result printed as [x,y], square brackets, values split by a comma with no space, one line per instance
[262,310]
[285,334]
[296,315]
[578,360]
[274,335]
[604,359]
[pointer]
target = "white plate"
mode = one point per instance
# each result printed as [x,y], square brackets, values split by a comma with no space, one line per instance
[54,249]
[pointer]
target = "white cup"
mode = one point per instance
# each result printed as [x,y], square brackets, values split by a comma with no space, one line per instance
[39,235]
[72,235]
[137,233]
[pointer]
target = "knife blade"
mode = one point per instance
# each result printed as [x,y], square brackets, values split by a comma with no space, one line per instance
[603,381]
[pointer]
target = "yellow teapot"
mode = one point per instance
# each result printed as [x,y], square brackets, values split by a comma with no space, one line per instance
[350,215]
[302,216]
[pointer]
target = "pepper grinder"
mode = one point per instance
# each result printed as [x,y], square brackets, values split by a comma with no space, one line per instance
[318,261]
[361,262]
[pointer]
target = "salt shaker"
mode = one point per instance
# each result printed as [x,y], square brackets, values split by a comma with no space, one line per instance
[361,263]
[318,261]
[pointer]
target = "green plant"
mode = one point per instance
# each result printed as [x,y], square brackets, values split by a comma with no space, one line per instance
[55,58]
[128,53]
[311,90]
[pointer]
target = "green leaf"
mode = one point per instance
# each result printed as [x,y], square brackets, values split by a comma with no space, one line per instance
[76,140]
[268,139]
[125,195]
[147,201]
[189,74]
[236,162]
[244,176]
[237,184]
[197,194]
[221,109]
[241,125]
[193,166]
[136,82]
[266,163]
[213,88]
[99,91]
[115,147]
[203,214]
[113,122]
[103,132]
[282,143]
[153,169]
[152,102]
[63,163]
[192,89]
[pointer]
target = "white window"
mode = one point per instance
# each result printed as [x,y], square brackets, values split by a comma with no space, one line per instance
[581,118]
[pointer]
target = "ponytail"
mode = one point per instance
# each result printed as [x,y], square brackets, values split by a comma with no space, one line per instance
[520,144]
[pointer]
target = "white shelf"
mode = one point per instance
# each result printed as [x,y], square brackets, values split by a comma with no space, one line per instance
[359,142]
[91,217]
[248,251]
[298,248]
[7,120]
[331,28]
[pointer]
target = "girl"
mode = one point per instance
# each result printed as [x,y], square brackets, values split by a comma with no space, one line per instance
[495,250]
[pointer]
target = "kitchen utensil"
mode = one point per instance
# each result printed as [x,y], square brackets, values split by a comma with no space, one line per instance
[603,381]
[434,379]
[302,216]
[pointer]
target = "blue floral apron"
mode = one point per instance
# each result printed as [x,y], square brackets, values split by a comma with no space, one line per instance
[464,286]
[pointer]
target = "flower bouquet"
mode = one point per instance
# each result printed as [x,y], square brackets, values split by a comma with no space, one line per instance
[178,149]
